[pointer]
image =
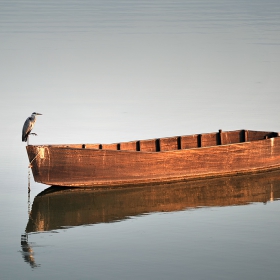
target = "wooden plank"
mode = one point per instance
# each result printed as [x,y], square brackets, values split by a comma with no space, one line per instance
[129,146]
[114,146]
[91,146]
[148,145]
[258,135]
[189,141]
[230,137]
[169,144]
[209,139]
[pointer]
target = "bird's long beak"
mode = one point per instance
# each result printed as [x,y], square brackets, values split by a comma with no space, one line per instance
[38,114]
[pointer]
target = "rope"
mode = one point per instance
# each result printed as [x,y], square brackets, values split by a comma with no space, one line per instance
[34,158]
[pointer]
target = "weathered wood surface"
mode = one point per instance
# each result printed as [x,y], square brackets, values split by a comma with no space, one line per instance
[73,207]
[155,160]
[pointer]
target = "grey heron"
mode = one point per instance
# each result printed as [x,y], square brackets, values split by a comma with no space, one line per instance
[28,126]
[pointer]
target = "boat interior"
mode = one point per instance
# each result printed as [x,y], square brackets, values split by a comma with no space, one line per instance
[182,142]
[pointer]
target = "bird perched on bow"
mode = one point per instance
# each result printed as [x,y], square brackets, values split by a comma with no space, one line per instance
[28,126]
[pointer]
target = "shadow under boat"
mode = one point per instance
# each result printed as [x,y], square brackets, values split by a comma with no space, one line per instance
[57,208]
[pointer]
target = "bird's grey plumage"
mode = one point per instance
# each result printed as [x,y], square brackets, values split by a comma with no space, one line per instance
[28,126]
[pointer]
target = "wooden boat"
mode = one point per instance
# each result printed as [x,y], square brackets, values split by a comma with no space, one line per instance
[57,208]
[155,160]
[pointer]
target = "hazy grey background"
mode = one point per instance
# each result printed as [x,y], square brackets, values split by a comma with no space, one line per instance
[107,71]
[114,70]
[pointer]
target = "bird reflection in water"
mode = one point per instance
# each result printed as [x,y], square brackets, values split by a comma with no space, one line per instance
[27,251]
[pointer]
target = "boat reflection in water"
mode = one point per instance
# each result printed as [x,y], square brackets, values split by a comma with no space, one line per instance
[57,208]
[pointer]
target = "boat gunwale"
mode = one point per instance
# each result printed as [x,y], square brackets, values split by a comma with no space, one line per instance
[68,146]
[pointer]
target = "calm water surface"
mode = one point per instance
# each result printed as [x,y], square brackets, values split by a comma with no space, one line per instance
[109,71]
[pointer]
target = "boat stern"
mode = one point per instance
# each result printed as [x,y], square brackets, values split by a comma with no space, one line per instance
[37,160]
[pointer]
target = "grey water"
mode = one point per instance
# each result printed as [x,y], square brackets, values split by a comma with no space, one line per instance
[111,71]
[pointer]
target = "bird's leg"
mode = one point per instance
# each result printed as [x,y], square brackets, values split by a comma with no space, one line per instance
[28,137]
[29,187]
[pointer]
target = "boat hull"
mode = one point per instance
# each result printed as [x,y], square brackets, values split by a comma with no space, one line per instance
[80,167]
